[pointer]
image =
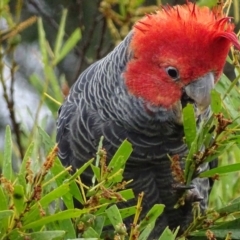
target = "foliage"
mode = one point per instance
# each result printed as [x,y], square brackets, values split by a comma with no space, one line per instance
[32,197]
[30,205]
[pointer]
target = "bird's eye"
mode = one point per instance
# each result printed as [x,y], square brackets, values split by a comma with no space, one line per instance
[172,72]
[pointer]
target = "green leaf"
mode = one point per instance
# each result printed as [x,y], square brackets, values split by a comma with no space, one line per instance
[120,157]
[15,234]
[7,159]
[44,202]
[189,124]
[127,194]
[5,217]
[231,96]
[74,189]
[81,170]
[54,194]
[3,199]
[168,234]
[126,212]
[189,163]
[114,215]
[209,3]
[67,214]
[22,171]
[122,8]
[69,45]
[98,224]
[231,208]
[42,41]
[46,140]
[152,215]
[90,232]
[18,198]
[221,149]
[46,235]
[137,3]
[221,231]
[146,231]
[216,102]
[60,34]
[4,3]
[221,170]
[67,225]
[54,86]
[53,89]
[56,169]
[96,171]
[84,239]
[6,214]
[97,162]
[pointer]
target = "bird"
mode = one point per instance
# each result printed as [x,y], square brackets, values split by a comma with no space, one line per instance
[137,92]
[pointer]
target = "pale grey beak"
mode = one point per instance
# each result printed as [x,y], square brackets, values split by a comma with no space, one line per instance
[200,90]
[197,93]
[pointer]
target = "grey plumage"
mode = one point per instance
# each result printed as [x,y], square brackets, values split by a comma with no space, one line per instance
[99,104]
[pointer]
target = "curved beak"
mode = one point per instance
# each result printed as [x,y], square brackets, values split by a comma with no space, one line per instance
[199,91]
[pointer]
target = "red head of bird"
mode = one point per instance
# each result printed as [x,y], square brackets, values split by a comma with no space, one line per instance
[175,47]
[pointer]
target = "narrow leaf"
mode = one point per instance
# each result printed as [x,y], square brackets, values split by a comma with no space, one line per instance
[147,231]
[46,140]
[98,224]
[44,202]
[60,34]
[42,41]
[67,225]
[55,87]
[90,232]
[216,102]
[22,171]
[7,159]
[46,235]
[81,170]
[96,171]
[152,215]
[54,194]
[60,178]
[18,198]
[221,231]
[67,214]
[121,156]
[189,124]
[69,45]
[221,170]
[37,84]
[114,215]
[15,234]
[5,214]
[167,235]
[3,200]
[231,208]
[127,194]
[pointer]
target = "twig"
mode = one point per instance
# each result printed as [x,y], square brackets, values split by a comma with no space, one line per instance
[10,105]
[15,124]
[134,228]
